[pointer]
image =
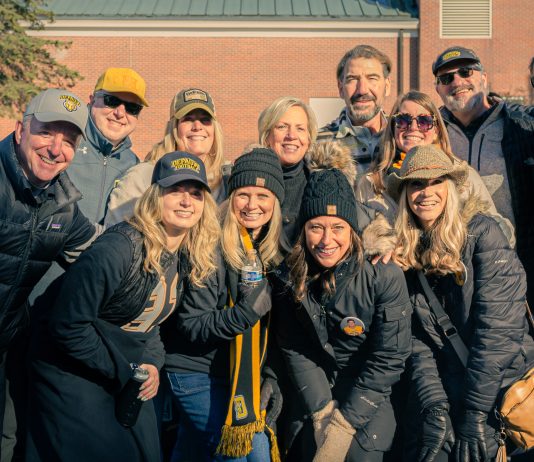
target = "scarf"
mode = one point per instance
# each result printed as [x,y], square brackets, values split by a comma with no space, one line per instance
[244,417]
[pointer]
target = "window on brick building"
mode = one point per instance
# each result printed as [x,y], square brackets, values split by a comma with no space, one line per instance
[465,18]
[326,109]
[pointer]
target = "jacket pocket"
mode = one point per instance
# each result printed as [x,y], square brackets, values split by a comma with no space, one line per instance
[397,325]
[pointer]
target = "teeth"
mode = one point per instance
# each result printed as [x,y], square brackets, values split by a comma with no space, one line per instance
[48,161]
[290,148]
[413,138]
[326,252]
[197,138]
[427,204]
[183,213]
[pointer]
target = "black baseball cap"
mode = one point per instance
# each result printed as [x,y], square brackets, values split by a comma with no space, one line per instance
[455,54]
[178,166]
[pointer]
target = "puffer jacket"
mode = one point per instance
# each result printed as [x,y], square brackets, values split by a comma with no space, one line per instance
[320,355]
[488,311]
[33,233]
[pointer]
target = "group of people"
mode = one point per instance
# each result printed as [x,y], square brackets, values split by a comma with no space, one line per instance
[359,232]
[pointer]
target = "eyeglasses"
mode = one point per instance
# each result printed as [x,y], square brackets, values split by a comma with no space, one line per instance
[424,122]
[448,77]
[113,102]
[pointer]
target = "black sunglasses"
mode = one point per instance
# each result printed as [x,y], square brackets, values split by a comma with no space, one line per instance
[113,102]
[404,121]
[448,77]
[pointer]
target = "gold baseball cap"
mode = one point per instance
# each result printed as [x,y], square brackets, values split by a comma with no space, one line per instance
[122,79]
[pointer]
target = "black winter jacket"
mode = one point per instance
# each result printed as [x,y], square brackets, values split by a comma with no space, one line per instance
[318,352]
[33,233]
[489,312]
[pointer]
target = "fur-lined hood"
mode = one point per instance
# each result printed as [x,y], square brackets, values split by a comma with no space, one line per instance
[331,154]
[472,205]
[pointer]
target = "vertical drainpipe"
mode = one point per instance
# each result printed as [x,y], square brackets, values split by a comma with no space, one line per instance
[400,63]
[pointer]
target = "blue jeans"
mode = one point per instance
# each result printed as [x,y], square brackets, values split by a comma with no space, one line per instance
[202,403]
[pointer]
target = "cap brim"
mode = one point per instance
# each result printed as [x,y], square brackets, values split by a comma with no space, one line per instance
[179,178]
[191,107]
[55,117]
[450,61]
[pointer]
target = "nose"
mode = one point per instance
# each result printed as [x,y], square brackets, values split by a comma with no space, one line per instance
[197,124]
[412,123]
[120,111]
[326,238]
[291,132]
[363,87]
[56,144]
[251,203]
[185,200]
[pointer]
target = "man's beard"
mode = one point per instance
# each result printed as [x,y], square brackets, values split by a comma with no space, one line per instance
[461,105]
[359,117]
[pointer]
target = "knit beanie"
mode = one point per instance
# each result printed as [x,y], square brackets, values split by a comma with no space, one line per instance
[259,167]
[328,193]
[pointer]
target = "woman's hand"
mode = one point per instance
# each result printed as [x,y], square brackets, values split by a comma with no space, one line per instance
[149,388]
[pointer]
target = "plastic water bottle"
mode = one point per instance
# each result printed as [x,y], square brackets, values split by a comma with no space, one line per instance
[128,406]
[252,271]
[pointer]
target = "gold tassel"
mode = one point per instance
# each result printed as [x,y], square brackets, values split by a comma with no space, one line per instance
[236,441]
[501,453]
[275,452]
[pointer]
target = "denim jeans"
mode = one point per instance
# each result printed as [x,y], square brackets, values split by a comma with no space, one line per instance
[202,403]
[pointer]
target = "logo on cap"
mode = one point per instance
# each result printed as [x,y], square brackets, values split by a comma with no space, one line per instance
[260,181]
[331,210]
[70,103]
[189,164]
[195,94]
[451,54]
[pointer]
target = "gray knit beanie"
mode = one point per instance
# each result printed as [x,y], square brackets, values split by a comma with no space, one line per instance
[328,193]
[259,167]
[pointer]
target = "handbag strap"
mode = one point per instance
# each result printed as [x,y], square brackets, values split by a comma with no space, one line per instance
[445,323]
[529,316]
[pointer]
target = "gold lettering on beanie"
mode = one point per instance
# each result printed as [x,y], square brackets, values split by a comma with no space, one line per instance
[331,210]
[189,164]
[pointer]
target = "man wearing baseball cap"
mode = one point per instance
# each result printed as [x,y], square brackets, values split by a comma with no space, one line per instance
[496,138]
[39,217]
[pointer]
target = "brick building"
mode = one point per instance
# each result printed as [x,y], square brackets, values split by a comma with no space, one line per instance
[246,53]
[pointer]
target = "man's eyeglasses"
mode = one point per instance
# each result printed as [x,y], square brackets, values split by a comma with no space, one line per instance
[448,77]
[424,122]
[113,102]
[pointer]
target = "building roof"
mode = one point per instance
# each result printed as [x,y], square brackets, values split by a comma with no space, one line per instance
[353,10]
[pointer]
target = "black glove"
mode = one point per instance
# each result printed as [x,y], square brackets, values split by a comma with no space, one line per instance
[256,297]
[470,437]
[436,432]
[271,400]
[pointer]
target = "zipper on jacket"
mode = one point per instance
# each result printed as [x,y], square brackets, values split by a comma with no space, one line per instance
[23,262]
[102,188]
[480,150]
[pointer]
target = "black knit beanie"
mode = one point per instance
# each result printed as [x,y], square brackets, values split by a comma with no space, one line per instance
[328,193]
[259,167]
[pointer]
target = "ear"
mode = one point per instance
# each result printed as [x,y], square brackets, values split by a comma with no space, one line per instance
[340,88]
[91,98]
[388,86]
[19,127]
[484,77]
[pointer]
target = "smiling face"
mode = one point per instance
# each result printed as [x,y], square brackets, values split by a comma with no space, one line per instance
[45,149]
[413,135]
[196,133]
[364,89]
[327,239]
[289,138]
[253,207]
[427,199]
[182,207]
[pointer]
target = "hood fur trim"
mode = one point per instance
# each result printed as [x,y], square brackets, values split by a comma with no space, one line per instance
[472,205]
[379,237]
[331,154]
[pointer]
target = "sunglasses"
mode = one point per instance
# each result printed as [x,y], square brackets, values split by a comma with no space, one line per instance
[113,102]
[424,122]
[448,77]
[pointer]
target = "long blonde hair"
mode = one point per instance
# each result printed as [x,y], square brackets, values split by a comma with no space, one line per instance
[441,253]
[388,149]
[200,241]
[214,159]
[232,248]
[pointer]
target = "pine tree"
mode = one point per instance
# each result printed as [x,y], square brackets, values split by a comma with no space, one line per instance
[27,65]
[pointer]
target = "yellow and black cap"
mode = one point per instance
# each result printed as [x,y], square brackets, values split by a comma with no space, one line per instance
[456,54]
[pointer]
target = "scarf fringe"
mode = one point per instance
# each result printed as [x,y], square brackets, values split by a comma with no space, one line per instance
[236,441]
[275,452]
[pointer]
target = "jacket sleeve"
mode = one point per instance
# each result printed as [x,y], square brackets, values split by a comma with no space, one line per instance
[89,283]
[389,347]
[203,315]
[154,352]
[300,353]
[498,315]
[82,234]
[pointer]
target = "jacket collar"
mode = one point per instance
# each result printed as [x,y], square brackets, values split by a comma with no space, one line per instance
[101,143]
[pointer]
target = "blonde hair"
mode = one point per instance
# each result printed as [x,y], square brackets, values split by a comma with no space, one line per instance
[298,263]
[214,159]
[200,241]
[275,111]
[388,149]
[441,253]
[232,248]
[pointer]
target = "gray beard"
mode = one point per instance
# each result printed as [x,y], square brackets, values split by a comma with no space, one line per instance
[455,105]
[360,117]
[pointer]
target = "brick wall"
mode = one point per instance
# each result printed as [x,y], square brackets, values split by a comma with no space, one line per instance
[243,75]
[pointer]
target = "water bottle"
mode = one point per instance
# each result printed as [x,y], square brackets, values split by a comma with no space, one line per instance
[128,406]
[252,271]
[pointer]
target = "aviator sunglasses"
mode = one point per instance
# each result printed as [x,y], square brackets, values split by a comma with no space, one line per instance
[424,122]
[448,77]
[113,102]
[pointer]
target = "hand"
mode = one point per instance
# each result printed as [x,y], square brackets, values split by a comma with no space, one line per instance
[271,400]
[385,258]
[257,297]
[337,440]
[321,419]
[470,437]
[149,388]
[436,432]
